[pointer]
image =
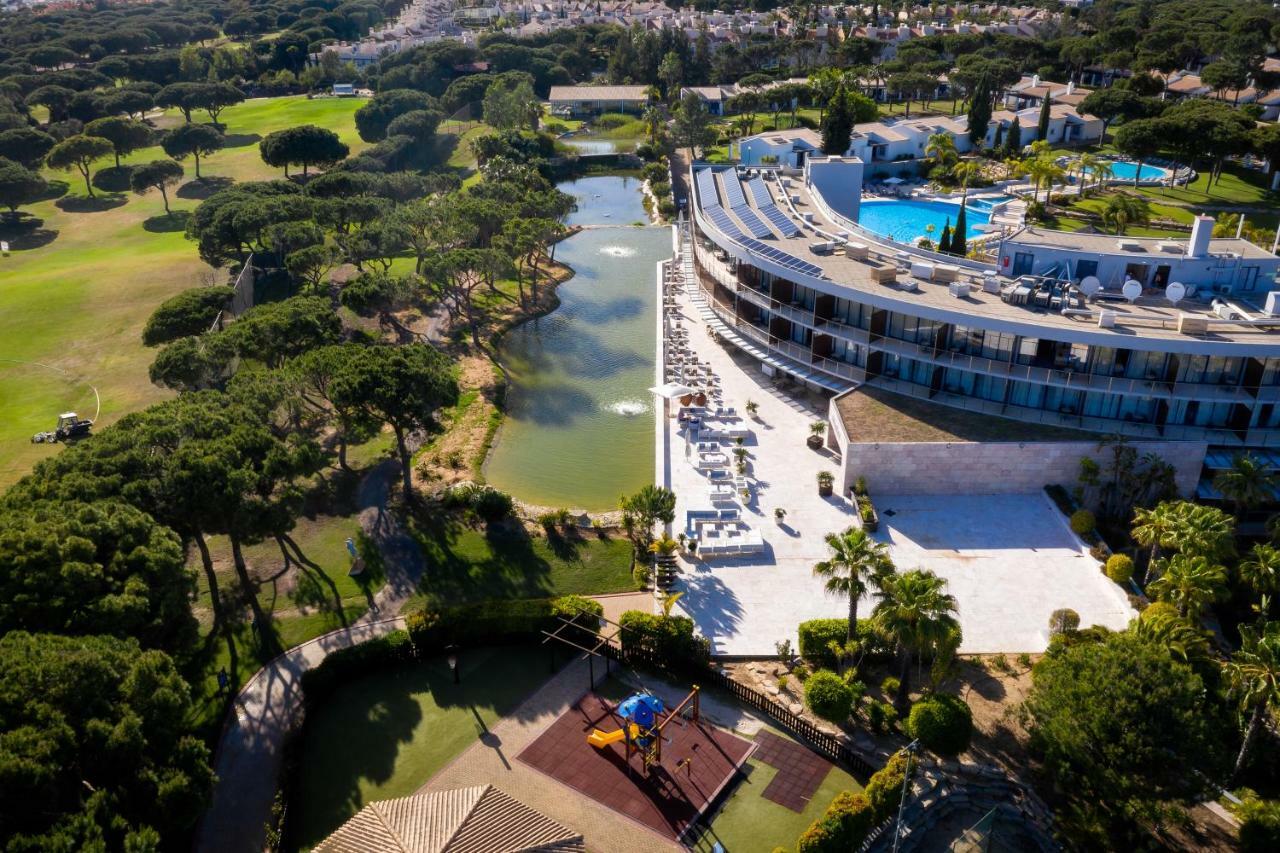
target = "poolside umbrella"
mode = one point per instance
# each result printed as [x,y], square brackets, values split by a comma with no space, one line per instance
[672,390]
[641,709]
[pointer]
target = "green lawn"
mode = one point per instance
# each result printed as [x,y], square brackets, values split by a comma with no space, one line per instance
[74,296]
[386,734]
[466,565]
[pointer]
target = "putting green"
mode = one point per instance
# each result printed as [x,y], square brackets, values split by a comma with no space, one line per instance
[77,302]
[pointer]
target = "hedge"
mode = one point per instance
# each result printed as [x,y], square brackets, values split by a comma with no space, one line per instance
[429,631]
[669,640]
[816,634]
[852,816]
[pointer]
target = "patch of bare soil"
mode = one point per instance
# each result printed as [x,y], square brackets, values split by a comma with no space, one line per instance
[994,687]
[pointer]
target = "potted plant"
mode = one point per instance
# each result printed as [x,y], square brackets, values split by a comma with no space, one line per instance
[825,482]
[867,513]
[700,399]
[817,430]
[779,515]
[745,494]
[753,408]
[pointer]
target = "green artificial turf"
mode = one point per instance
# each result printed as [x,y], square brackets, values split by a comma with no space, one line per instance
[385,735]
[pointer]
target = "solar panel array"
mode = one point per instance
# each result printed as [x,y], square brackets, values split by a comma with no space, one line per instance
[720,219]
[771,211]
[707,188]
[784,259]
[753,223]
[733,190]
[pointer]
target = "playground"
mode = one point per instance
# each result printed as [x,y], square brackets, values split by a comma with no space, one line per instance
[659,768]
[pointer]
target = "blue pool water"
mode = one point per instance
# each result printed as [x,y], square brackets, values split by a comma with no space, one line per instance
[1123,170]
[986,204]
[905,220]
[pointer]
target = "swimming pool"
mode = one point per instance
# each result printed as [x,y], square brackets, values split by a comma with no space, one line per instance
[905,220]
[1125,170]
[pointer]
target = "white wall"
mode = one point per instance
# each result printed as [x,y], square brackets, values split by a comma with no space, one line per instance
[839,180]
[993,468]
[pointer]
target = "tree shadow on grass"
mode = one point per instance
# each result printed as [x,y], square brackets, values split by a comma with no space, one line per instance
[56,189]
[241,140]
[167,222]
[25,231]
[84,204]
[464,565]
[112,179]
[202,188]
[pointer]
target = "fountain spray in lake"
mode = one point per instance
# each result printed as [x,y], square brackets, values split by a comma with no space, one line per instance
[629,408]
[618,251]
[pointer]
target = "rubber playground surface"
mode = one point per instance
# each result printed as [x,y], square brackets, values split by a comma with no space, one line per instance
[698,761]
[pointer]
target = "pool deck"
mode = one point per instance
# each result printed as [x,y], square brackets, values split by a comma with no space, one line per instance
[1010,560]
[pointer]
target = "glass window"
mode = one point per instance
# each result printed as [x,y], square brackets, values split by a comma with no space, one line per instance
[1027,350]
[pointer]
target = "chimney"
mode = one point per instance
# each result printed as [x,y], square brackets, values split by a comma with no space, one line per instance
[1201,231]
[1071,87]
[1035,79]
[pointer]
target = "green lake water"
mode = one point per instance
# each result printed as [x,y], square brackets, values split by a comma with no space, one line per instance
[579,427]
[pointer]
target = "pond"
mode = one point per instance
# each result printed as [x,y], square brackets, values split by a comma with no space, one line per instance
[579,422]
[596,144]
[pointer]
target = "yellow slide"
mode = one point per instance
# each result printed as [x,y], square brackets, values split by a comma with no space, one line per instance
[600,739]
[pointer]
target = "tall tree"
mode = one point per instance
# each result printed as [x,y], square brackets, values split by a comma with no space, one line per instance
[1042,123]
[692,127]
[855,560]
[158,174]
[193,140]
[125,134]
[79,153]
[403,387]
[306,144]
[1254,676]
[979,112]
[19,186]
[1189,583]
[1140,140]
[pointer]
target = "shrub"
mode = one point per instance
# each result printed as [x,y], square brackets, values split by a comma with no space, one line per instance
[492,505]
[942,722]
[890,686]
[669,640]
[1099,552]
[1119,568]
[844,826]
[1083,523]
[816,636]
[1063,621]
[667,208]
[1259,825]
[801,672]
[828,696]
[851,816]
[655,172]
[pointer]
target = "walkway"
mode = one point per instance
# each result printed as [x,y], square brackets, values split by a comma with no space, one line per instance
[247,761]
[492,760]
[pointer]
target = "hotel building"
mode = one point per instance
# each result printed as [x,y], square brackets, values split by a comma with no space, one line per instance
[789,276]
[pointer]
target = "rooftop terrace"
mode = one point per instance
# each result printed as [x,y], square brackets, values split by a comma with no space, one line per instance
[1153,318]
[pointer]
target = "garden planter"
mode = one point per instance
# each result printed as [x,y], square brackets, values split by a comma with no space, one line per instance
[814,442]
[686,399]
[824,490]
[700,399]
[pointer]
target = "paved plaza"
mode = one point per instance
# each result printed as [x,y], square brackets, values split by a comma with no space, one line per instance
[1010,560]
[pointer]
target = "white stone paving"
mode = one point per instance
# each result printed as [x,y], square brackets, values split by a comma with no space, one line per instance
[1010,559]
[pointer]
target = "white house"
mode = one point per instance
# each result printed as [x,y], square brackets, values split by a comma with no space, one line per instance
[779,147]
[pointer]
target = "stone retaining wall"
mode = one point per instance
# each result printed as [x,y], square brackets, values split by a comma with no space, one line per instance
[993,468]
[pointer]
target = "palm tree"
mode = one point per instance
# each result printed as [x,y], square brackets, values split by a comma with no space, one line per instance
[856,558]
[1154,528]
[1254,676]
[1189,583]
[1183,640]
[1013,167]
[918,614]
[1204,531]
[1247,483]
[1261,569]
[942,148]
[1123,210]
[1088,164]
[653,120]
[1103,171]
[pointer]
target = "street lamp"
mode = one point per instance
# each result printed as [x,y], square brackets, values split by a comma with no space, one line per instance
[452,652]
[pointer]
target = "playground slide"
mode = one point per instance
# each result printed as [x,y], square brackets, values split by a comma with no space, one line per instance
[600,739]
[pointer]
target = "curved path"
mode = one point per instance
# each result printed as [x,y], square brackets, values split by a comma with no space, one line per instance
[247,760]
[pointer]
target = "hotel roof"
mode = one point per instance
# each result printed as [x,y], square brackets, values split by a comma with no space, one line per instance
[1151,317]
[1100,243]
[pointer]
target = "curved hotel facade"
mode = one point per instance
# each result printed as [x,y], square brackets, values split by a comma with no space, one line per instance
[1071,330]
